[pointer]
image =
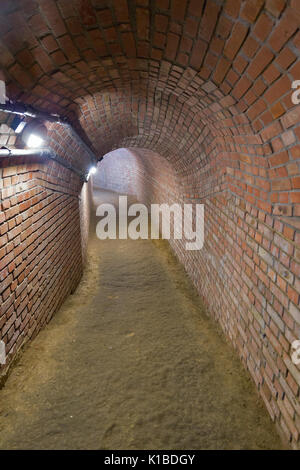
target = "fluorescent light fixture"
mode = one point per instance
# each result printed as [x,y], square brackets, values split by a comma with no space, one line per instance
[20,127]
[18,124]
[34,141]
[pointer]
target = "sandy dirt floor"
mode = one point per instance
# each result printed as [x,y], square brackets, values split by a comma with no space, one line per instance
[131,361]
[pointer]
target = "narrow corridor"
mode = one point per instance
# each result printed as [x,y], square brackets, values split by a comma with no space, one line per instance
[131,361]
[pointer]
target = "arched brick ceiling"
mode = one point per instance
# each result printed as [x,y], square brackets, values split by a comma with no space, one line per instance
[176,76]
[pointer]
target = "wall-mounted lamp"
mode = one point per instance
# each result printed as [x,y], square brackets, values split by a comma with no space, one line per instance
[92,171]
[34,134]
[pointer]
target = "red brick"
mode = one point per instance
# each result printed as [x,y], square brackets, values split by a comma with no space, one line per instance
[242,86]
[178,8]
[129,44]
[251,10]
[279,159]
[142,19]
[121,10]
[161,23]
[196,7]
[275,6]
[232,7]
[49,43]
[237,37]
[263,27]
[262,59]
[221,70]
[291,118]
[209,20]
[286,28]
[172,45]
[43,59]
[198,54]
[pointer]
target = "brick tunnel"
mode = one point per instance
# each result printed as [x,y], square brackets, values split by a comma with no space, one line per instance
[174,102]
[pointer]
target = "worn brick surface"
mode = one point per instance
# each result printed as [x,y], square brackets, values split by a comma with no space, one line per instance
[43,228]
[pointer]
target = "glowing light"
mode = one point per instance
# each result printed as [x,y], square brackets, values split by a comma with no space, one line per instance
[34,133]
[34,141]
[93,170]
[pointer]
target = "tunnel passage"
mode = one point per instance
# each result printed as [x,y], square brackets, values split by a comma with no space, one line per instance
[131,361]
[199,93]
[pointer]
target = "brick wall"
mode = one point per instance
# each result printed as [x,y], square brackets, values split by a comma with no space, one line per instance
[247,274]
[43,238]
[119,176]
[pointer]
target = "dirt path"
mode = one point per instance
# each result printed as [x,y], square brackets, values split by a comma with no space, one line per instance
[132,362]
